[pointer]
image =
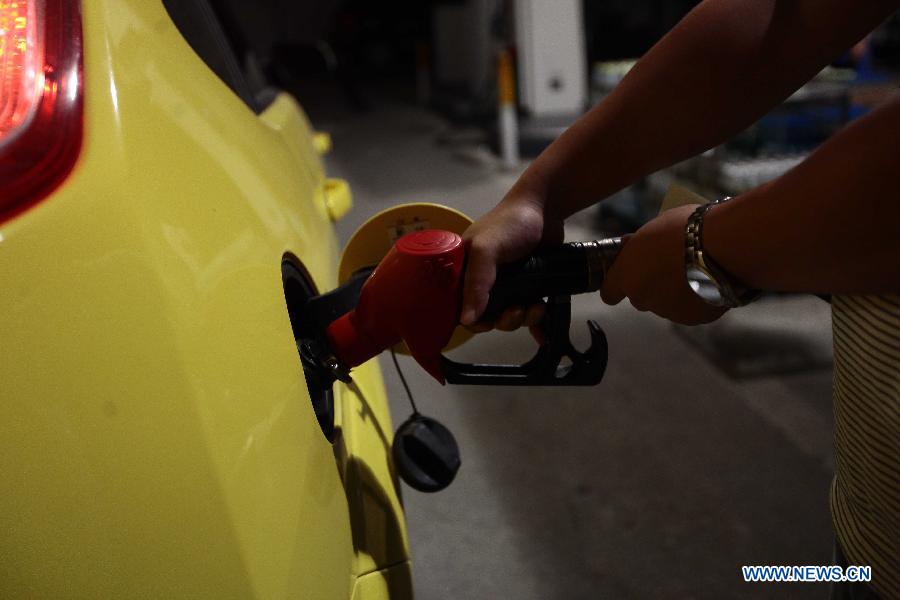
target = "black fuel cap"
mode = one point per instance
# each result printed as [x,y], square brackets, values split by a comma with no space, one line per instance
[425,454]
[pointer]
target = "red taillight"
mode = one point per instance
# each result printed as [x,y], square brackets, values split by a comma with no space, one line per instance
[19,70]
[40,98]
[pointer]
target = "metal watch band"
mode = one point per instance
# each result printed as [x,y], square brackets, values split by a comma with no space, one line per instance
[732,294]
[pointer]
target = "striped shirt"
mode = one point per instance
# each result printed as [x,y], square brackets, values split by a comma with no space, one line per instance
[865,494]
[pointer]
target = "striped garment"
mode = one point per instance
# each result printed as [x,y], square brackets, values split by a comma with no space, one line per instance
[865,494]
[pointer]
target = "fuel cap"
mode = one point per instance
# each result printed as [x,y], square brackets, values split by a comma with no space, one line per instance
[425,454]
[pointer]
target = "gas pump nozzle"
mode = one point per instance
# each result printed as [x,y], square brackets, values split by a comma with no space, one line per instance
[414,296]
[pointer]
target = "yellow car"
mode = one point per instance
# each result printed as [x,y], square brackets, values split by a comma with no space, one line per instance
[158,438]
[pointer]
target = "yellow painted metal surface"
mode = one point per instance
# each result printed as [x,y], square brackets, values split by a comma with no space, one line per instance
[386,584]
[338,199]
[322,142]
[156,433]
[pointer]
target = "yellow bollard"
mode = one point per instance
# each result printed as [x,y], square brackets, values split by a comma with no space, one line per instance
[507,119]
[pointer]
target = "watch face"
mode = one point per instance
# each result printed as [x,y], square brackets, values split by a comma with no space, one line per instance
[704,286]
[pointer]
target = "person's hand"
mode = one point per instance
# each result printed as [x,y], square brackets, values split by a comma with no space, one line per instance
[649,271]
[511,230]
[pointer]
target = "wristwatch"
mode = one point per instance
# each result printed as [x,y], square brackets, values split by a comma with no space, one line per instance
[705,278]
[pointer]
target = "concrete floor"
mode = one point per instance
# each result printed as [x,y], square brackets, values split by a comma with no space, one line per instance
[658,483]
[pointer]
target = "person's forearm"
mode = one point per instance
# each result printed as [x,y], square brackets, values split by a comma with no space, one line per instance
[720,69]
[830,225]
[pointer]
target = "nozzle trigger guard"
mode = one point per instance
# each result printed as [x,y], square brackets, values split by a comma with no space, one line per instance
[545,368]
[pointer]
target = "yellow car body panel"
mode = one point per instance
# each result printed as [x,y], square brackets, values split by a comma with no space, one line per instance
[393,582]
[157,438]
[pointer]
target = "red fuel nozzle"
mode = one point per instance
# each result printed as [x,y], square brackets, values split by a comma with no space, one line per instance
[413,296]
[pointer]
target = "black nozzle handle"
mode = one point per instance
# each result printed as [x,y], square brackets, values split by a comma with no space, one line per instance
[564,270]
